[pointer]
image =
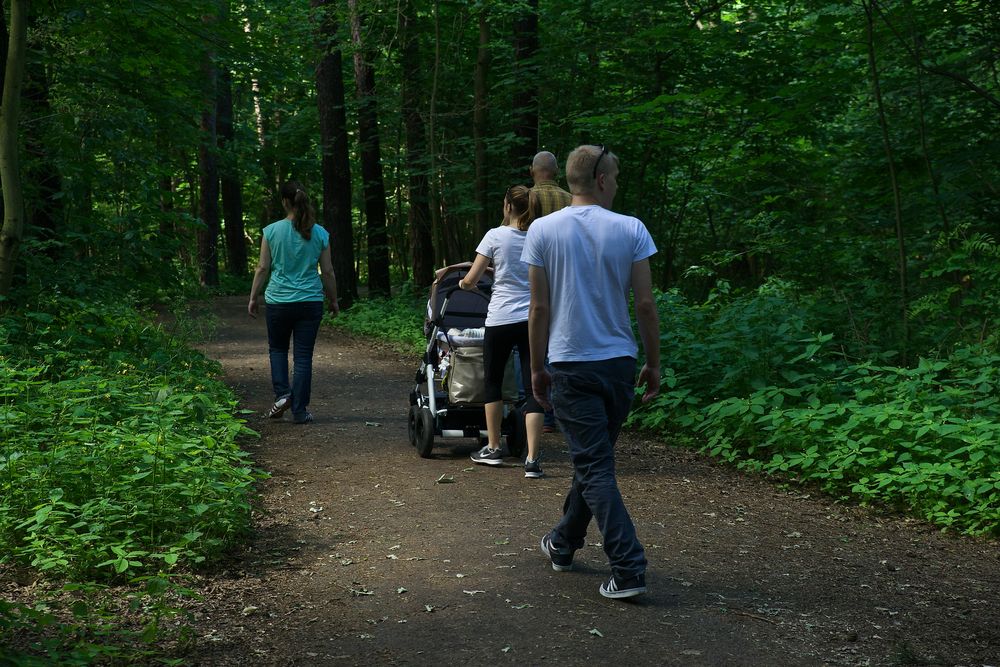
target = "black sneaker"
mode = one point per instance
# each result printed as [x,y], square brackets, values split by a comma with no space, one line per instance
[307,418]
[491,457]
[279,407]
[560,562]
[532,470]
[624,588]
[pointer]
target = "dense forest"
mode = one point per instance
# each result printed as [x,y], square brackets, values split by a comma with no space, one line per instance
[822,180]
[844,149]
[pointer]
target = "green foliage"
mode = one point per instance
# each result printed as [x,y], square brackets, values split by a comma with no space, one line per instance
[925,439]
[119,465]
[398,320]
[119,452]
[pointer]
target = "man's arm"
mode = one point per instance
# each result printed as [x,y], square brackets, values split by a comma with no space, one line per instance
[649,328]
[538,334]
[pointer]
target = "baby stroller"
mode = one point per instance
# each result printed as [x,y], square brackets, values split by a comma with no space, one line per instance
[447,399]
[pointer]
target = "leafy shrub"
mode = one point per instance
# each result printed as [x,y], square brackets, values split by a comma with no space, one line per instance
[398,320]
[924,439]
[119,451]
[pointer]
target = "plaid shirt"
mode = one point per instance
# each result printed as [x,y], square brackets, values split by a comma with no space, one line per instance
[550,197]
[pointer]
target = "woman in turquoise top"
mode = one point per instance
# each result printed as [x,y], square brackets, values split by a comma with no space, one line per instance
[289,253]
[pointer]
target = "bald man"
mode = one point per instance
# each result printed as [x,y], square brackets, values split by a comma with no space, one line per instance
[549,198]
[548,194]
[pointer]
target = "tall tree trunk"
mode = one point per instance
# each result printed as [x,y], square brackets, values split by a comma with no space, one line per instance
[480,120]
[4,45]
[421,242]
[232,187]
[10,176]
[271,208]
[904,298]
[437,227]
[371,163]
[208,171]
[40,169]
[526,87]
[336,163]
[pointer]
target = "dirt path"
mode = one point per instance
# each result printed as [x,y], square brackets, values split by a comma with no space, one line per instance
[362,558]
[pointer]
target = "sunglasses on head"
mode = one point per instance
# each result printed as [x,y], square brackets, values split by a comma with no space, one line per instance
[604,151]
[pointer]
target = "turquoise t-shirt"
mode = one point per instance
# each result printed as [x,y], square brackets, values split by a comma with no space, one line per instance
[294,261]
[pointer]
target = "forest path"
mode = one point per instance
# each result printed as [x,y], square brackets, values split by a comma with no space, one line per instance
[360,557]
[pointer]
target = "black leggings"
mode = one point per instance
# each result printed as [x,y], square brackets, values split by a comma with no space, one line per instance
[498,343]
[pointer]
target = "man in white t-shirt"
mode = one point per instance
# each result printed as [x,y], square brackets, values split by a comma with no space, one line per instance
[584,260]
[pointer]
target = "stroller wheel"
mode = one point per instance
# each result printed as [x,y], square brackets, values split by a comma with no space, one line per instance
[411,425]
[423,437]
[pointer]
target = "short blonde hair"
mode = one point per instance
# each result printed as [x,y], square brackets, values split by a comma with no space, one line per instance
[580,167]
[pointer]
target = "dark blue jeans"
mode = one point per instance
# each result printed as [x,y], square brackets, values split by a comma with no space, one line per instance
[285,320]
[591,401]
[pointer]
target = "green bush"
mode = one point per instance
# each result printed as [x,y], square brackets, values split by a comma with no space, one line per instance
[398,320]
[923,439]
[119,452]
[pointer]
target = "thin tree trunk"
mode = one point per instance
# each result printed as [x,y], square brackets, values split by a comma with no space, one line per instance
[41,170]
[336,165]
[526,87]
[896,195]
[270,210]
[10,176]
[437,231]
[208,166]
[480,121]
[371,163]
[232,187]
[421,241]
[4,46]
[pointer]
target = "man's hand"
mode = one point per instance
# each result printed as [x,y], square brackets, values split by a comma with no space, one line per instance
[649,377]
[333,308]
[541,386]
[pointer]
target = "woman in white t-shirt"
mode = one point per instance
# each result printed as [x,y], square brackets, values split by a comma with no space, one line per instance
[507,323]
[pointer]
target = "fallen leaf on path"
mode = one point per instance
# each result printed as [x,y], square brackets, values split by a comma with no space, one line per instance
[249,610]
[595,631]
[472,592]
[522,606]
[445,479]
[503,540]
[400,590]
[372,424]
[429,608]
[392,556]
[505,649]
[460,575]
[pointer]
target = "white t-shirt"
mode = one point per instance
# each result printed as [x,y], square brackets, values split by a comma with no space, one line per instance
[511,292]
[587,253]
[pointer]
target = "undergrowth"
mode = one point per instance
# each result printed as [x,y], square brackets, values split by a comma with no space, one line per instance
[398,320]
[119,465]
[758,389]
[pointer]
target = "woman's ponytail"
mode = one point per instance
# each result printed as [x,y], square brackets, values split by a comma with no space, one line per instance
[522,205]
[305,217]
